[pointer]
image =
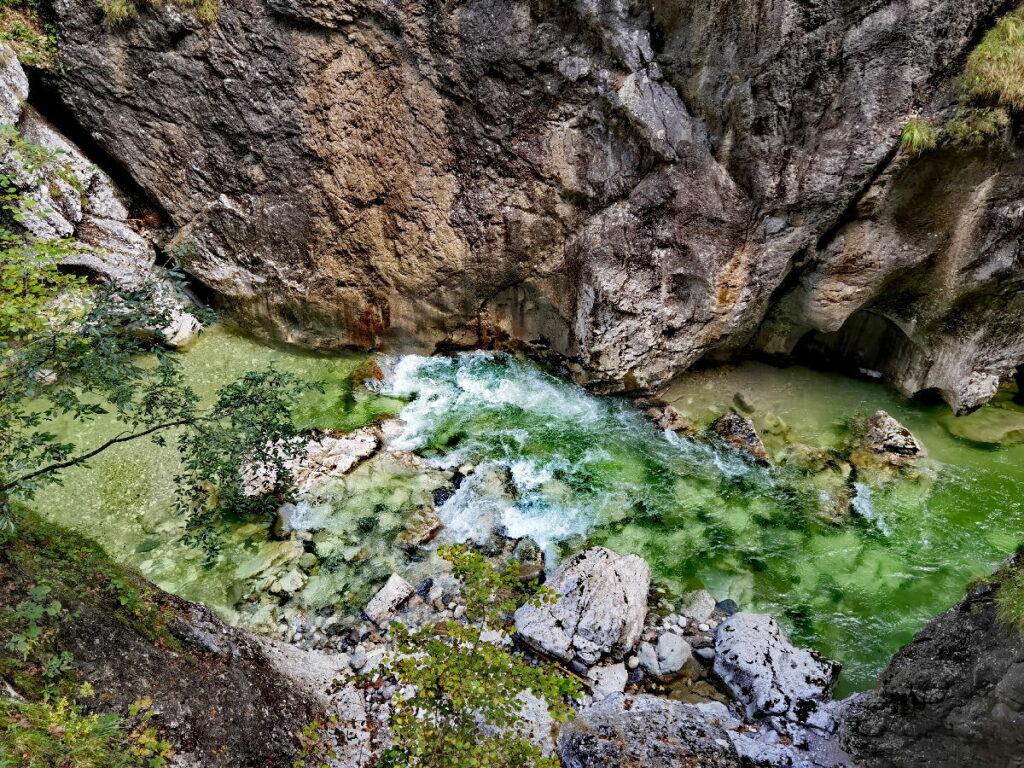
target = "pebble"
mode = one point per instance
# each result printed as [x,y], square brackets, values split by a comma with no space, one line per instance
[681,621]
[358,658]
[435,594]
[704,627]
[459,612]
[633,662]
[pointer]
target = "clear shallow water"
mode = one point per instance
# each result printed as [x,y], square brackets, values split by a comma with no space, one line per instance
[543,458]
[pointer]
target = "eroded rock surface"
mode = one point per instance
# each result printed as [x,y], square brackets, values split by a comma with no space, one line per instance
[599,610]
[634,185]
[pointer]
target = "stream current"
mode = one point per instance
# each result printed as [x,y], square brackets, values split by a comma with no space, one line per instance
[537,456]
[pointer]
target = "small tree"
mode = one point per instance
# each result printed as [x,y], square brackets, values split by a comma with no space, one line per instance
[71,348]
[461,702]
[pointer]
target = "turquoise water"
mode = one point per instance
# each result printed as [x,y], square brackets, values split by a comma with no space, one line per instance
[538,456]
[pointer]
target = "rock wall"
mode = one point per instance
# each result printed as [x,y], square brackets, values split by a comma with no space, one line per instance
[635,185]
[953,697]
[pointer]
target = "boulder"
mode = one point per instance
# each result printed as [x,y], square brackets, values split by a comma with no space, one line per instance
[420,528]
[383,605]
[607,679]
[768,675]
[599,610]
[626,731]
[698,605]
[738,432]
[885,444]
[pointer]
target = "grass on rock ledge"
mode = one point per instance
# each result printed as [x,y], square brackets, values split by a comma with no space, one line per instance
[995,69]
[123,11]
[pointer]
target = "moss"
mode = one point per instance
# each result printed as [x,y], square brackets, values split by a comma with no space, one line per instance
[123,11]
[995,69]
[918,136]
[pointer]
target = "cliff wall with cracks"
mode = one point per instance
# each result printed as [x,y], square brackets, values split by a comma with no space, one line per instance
[634,185]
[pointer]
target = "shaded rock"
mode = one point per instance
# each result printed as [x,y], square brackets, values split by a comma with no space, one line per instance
[627,731]
[383,605]
[952,697]
[599,610]
[666,657]
[768,675]
[738,431]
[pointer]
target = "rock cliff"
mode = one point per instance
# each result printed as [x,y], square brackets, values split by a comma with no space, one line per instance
[634,185]
[952,697]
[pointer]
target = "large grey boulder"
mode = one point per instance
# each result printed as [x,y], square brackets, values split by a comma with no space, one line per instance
[598,612]
[624,731]
[771,677]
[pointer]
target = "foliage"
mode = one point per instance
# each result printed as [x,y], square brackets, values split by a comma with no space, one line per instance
[122,11]
[977,127]
[918,135]
[461,699]
[995,69]
[70,349]
[1010,597]
[59,734]
[24,30]
[48,569]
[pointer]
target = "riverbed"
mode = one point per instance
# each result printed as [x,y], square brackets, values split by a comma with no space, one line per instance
[495,442]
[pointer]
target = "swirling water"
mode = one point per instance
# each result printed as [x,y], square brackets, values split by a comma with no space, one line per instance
[540,457]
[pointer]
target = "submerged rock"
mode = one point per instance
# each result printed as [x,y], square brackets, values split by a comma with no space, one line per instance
[768,675]
[420,528]
[630,731]
[599,610]
[739,432]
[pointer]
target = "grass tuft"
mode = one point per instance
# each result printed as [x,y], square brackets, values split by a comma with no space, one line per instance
[918,136]
[995,69]
[1010,597]
[120,12]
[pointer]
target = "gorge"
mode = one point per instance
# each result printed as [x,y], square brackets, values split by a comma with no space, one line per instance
[736,289]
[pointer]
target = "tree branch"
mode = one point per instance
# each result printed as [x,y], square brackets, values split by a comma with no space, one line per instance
[122,438]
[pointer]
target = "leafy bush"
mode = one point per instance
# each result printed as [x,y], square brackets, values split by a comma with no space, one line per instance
[919,135]
[59,734]
[461,700]
[995,69]
[23,29]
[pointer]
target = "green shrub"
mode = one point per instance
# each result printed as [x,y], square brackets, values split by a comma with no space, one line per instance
[918,136]
[464,709]
[59,734]
[22,28]
[995,69]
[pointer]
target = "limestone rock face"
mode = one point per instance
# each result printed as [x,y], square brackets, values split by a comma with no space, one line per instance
[599,611]
[952,697]
[633,185]
[769,675]
[624,731]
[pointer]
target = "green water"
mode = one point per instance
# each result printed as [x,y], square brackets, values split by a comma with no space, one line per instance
[543,458]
